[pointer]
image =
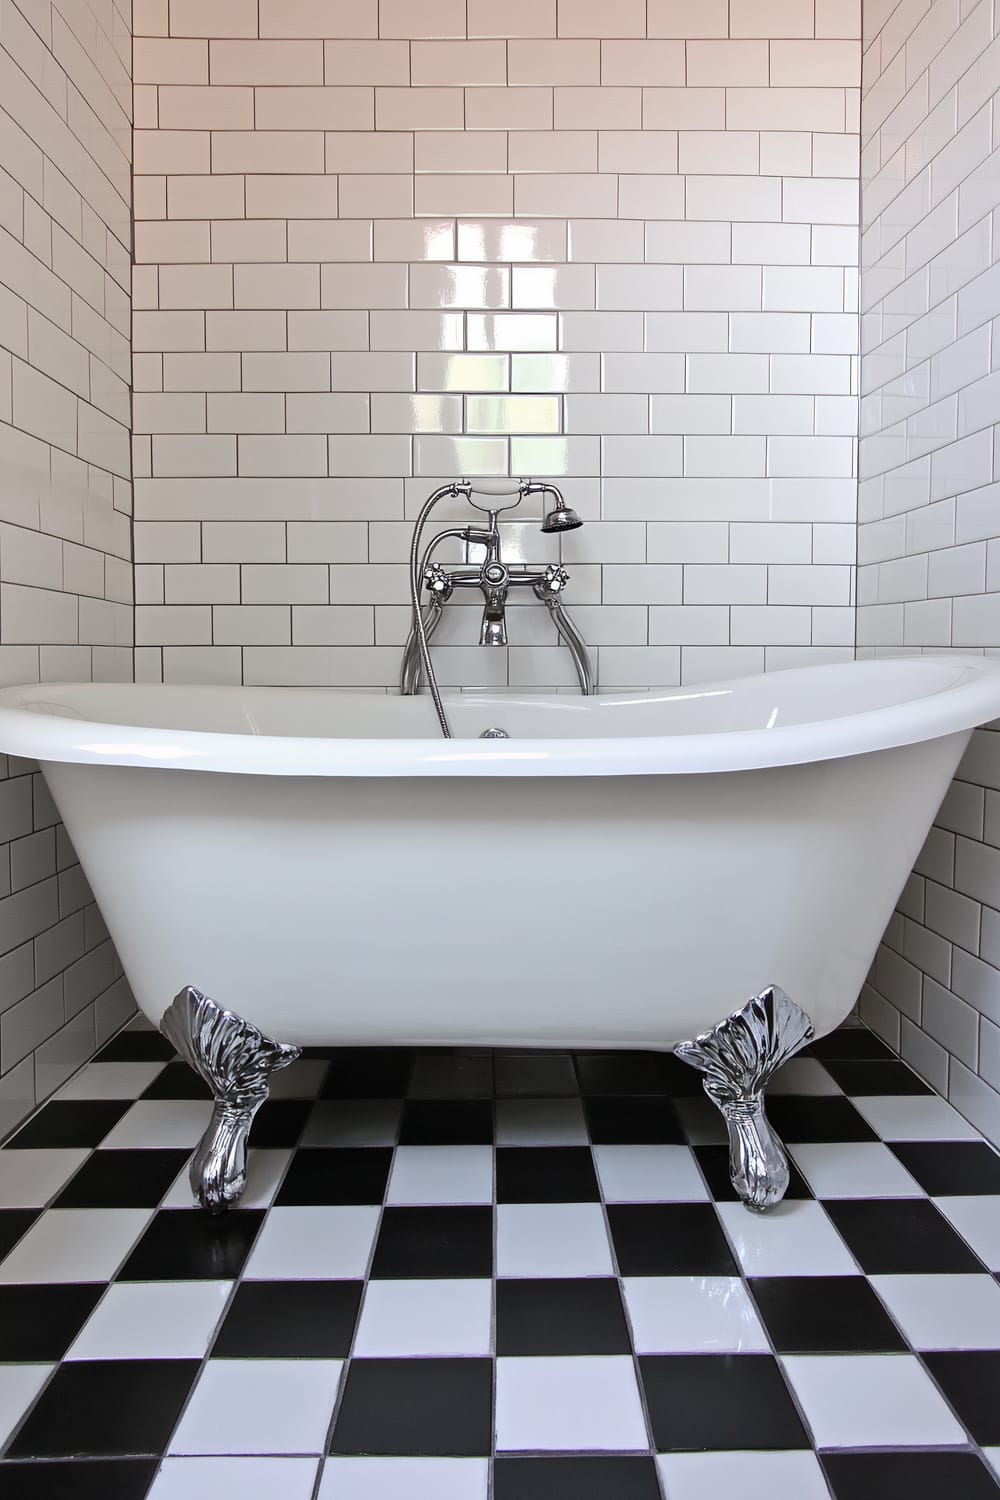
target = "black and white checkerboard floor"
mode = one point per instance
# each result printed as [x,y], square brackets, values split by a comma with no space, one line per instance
[459,1275]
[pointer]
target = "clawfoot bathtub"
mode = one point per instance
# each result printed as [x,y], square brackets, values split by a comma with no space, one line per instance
[319,868]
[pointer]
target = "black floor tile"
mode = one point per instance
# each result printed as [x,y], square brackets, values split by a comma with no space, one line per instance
[900,1236]
[546,1174]
[327,1174]
[86,1479]
[575,1478]
[855,1042]
[863,1078]
[817,1117]
[910,1476]
[560,1317]
[670,1239]
[970,1378]
[70,1122]
[719,1401]
[280,1122]
[534,1075]
[435,1242]
[290,1320]
[447,1122]
[106,1407]
[122,1179]
[616,1119]
[137,1046]
[825,1315]
[177,1081]
[416,1406]
[14,1223]
[38,1323]
[945,1168]
[621,1072]
[183,1244]
[714,1163]
[680,1080]
[368,1073]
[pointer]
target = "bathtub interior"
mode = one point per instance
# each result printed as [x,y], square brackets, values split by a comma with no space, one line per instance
[799,696]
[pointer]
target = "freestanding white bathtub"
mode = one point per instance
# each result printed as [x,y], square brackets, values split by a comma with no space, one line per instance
[620,872]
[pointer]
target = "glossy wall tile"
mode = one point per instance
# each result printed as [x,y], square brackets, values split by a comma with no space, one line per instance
[383,245]
[65,496]
[927,539]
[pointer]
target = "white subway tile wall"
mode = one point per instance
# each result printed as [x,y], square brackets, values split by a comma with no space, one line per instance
[65,495]
[383,244]
[929,501]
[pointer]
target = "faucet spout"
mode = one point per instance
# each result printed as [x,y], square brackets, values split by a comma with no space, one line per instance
[494,582]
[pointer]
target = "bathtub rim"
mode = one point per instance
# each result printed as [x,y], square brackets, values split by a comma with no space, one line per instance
[971,699]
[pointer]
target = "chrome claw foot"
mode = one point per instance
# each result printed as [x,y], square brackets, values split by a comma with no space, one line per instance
[236,1061]
[737,1058]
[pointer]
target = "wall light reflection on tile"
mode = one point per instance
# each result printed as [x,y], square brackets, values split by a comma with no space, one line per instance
[511,331]
[512,414]
[501,241]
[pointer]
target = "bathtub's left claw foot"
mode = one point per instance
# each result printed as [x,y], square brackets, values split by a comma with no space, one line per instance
[737,1058]
[236,1061]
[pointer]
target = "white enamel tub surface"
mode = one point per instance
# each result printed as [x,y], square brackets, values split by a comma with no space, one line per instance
[621,872]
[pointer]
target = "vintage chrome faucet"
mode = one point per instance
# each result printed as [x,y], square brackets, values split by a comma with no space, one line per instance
[492,576]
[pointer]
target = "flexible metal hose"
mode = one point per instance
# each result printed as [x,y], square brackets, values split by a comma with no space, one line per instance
[418,618]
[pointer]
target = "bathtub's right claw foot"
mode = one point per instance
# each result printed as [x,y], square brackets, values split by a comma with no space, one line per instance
[236,1061]
[737,1058]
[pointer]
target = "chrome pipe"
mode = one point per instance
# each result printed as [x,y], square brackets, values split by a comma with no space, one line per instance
[409,676]
[452,489]
[573,641]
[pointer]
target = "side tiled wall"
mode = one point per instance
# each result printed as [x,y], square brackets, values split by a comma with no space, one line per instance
[929,503]
[65,495]
[379,244]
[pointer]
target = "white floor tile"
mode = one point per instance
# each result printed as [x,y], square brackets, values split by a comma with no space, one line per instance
[590,1402]
[75,1244]
[247,1478]
[112,1080]
[314,1243]
[265,1169]
[649,1174]
[353,1122]
[404,1479]
[300,1080]
[693,1314]
[540,1122]
[915,1117]
[19,1385]
[794,1239]
[441,1174]
[751,1476]
[425,1317]
[233,1408]
[552,1239]
[28,1179]
[153,1124]
[977,1219]
[855,1169]
[153,1320]
[871,1401]
[944,1312]
[803,1075]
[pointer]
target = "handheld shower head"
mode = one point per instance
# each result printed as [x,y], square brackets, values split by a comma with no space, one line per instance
[560,517]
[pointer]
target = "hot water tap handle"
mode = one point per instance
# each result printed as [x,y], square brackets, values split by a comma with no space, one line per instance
[437,582]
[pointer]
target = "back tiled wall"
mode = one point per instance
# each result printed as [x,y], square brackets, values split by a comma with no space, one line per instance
[930,500]
[380,244]
[65,496]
